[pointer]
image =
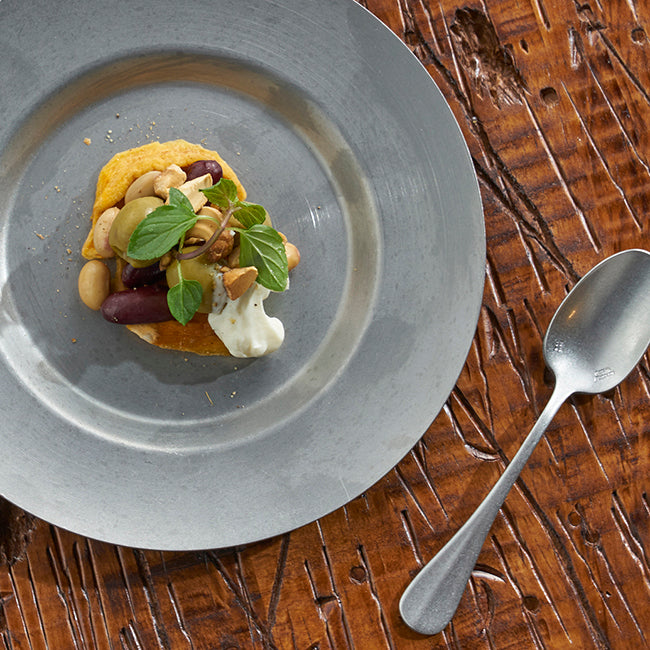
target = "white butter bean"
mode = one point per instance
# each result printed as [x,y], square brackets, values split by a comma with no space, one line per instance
[94,283]
[293,255]
[101,230]
[142,186]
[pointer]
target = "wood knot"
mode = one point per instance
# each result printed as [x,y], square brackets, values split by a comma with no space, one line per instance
[590,536]
[574,518]
[16,528]
[531,603]
[549,96]
[638,35]
[328,604]
[489,64]
[358,574]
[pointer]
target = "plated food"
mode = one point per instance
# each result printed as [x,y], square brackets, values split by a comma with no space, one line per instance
[178,256]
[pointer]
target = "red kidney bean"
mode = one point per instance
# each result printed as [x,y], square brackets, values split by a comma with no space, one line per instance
[202,167]
[137,277]
[142,305]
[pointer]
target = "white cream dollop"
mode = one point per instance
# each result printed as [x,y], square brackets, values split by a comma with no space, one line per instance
[242,324]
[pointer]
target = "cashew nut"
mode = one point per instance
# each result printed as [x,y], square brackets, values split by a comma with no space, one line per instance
[173,176]
[210,211]
[191,190]
[237,281]
[200,232]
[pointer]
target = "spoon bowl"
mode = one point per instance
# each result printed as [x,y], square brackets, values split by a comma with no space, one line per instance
[595,339]
[600,331]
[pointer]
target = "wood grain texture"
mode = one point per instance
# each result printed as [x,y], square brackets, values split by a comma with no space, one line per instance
[553,98]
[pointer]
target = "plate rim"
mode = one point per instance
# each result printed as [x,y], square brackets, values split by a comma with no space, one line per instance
[380,31]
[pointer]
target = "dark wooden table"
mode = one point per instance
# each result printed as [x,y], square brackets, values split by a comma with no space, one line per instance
[553,97]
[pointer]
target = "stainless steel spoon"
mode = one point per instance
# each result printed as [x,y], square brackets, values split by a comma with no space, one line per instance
[597,336]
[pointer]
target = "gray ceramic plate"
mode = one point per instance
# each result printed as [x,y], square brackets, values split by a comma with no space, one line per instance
[335,127]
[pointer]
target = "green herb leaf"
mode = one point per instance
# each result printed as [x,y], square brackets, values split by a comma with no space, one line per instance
[184,299]
[180,201]
[222,194]
[162,228]
[249,214]
[158,233]
[262,247]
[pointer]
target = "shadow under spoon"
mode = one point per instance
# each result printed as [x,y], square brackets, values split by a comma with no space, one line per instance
[595,339]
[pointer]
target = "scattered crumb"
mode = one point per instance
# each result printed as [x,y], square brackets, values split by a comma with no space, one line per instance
[233,394]
[74,340]
[38,234]
[87,141]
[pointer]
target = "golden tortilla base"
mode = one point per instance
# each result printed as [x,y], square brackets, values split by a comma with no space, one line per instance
[113,182]
[123,168]
[197,336]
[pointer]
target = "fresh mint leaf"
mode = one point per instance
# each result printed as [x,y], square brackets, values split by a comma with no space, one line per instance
[223,194]
[184,299]
[159,232]
[249,214]
[162,228]
[262,247]
[180,201]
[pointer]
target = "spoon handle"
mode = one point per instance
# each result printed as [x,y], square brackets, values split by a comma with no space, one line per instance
[430,601]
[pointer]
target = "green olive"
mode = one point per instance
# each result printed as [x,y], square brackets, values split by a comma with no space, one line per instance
[197,269]
[125,223]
